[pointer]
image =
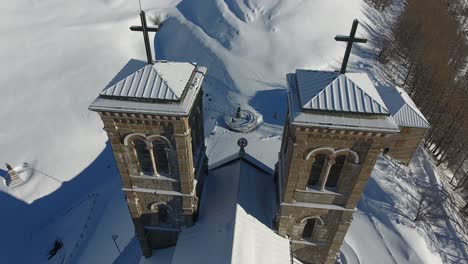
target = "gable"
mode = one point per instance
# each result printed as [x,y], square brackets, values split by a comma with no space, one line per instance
[160,81]
[331,91]
[402,108]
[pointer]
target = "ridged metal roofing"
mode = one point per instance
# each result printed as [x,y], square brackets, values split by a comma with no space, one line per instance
[160,81]
[402,108]
[331,91]
[337,120]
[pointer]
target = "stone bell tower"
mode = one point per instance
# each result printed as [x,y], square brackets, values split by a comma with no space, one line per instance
[337,125]
[154,121]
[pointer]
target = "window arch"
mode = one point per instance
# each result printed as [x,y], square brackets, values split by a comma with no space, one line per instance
[150,153]
[161,159]
[307,233]
[330,169]
[312,225]
[335,171]
[316,169]
[163,213]
[143,156]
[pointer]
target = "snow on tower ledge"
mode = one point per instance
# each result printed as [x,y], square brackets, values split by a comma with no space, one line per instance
[163,87]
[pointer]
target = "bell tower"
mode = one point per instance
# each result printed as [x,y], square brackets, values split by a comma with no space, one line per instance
[154,122]
[336,126]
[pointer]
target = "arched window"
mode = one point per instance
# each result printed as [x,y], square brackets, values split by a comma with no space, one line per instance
[309,227]
[143,157]
[335,171]
[160,156]
[316,169]
[163,214]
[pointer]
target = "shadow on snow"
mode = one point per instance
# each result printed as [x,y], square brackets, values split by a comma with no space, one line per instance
[20,220]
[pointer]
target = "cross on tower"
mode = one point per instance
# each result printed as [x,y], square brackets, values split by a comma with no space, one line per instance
[242,143]
[350,39]
[145,29]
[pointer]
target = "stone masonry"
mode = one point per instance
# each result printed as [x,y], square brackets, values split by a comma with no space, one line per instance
[334,208]
[142,191]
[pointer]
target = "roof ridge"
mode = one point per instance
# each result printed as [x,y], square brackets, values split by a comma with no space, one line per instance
[144,84]
[325,98]
[400,115]
[409,102]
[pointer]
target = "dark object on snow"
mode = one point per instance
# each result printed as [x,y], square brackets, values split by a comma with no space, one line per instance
[238,113]
[8,166]
[57,246]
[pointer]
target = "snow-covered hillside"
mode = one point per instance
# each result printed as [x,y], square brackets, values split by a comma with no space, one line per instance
[57,55]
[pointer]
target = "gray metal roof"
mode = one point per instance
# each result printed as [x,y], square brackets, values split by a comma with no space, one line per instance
[332,91]
[183,79]
[162,80]
[336,119]
[402,108]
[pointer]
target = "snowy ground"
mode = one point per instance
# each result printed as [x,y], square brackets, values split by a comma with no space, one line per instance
[56,57]
[384,223]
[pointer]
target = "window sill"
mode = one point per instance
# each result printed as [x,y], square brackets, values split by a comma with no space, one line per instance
[319,206]
[316,190]
[308,243]
[155,177]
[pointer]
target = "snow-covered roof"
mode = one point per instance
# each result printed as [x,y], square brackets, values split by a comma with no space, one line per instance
[236,211]
[338,119]
[162,88]
[332,91]
[402,108]
[162,80]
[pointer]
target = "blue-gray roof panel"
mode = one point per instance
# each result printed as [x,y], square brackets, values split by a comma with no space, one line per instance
[331,91]
[162,80]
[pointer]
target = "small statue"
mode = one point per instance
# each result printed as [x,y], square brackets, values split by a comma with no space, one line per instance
[238,112]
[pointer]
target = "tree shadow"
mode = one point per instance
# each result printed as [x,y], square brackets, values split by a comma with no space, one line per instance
[377,204]
[399,205]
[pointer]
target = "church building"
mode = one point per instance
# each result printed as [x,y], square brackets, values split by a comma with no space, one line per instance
[337,124]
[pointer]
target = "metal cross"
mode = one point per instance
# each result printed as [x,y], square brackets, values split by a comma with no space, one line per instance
[350,39]
[145,29]
[242,143]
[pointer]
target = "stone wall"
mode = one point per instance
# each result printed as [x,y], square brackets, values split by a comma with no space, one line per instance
[177,190]
[334,206]
[403,145]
